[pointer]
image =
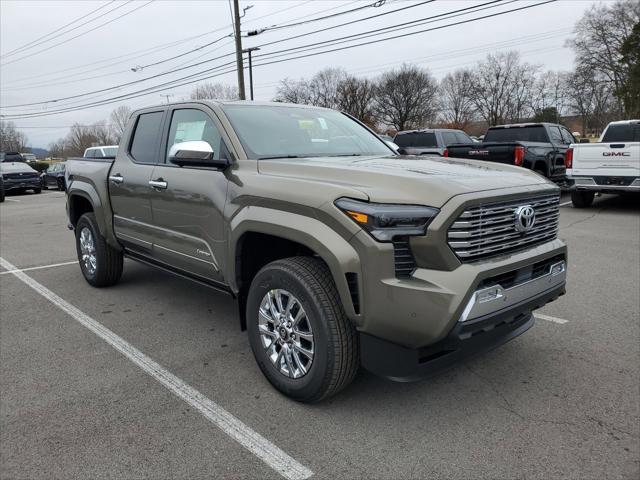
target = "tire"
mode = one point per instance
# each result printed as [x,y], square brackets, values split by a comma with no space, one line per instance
[60,182]
[106,269]
[1,193]
[37,190]
[334,341]
[542,173]
[582,199]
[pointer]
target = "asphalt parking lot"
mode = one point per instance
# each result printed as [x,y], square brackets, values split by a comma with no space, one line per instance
[561,401]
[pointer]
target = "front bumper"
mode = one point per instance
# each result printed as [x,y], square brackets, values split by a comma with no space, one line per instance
[606,184]
[466,339]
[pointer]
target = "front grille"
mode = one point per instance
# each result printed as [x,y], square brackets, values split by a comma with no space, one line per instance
[488,230]
[20,176]
[404,262]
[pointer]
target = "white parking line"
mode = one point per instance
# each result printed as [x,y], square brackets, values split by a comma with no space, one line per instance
[254,442]
[549,318]
[566,203]
[38,268]
[11,200]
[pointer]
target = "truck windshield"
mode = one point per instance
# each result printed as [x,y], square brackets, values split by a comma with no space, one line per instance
[271,131]
[629,132]
[533,133]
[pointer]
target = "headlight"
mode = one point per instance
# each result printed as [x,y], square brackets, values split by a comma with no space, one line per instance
[385,221]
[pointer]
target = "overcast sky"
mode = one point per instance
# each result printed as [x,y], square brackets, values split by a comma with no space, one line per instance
[150,32]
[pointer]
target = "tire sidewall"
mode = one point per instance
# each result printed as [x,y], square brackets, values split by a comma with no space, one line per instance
[83,223]
[307,386]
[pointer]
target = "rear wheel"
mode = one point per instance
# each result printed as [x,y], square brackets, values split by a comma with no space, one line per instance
[300,336]
[582,199]
[37,190]
[101,264]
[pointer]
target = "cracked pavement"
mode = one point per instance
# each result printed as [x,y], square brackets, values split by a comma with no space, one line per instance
[561,401]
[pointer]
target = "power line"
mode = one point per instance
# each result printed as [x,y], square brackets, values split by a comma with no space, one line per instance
[93,29]
[372,32]
[375,4]
[157,88]
[30,44]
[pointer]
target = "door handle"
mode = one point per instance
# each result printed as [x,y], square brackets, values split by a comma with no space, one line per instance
[158,184]
[117,178]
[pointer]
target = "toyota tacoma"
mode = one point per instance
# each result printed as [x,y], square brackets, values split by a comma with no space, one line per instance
[339,252]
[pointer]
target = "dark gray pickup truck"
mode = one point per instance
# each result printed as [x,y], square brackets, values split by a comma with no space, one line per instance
[340,252]
[540,147]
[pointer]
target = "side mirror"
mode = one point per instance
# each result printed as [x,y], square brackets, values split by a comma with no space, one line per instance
[584,140]
[196,153]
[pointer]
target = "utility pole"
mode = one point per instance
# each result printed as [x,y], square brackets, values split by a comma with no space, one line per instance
[249,50]
[166,95]
[239,63]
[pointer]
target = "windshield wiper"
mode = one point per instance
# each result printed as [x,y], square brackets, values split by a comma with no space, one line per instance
[282,156]
[346,155]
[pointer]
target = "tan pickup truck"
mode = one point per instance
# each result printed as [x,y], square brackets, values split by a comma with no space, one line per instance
[340,252]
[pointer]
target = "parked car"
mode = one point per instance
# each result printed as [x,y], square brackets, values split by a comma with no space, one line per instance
[340,252]
[429,141]
[610,166]
[54,176]
[108,151]
[19,177]
[540,147]
[29,157]
[10,157]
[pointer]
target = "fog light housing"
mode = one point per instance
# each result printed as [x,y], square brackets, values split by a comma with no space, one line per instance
[557,268]
[489,294]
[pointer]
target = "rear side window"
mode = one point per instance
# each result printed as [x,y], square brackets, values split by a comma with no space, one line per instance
[462,137]
[146,137]
[417,139]
[556,136]
[449,138]
[622,133]
[535,133]
[566,136]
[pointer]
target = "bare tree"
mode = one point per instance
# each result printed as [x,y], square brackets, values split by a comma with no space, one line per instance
[321,90]
[58,149]
[219,91]
[355,96]
[294,91]
[590,96]
[81,137]
[406,98]
[11,139]
[548,96]
[324,87]
[501,86]
[598,42]
[119,119]
[456,104]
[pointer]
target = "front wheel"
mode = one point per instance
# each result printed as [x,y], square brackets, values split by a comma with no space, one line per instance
[582,199]
[300,336]
[100,263]
[60,183]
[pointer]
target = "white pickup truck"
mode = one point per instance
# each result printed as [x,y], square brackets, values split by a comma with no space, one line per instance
[610,166]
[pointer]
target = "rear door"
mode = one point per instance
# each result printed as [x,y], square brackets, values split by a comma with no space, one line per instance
[129,187]
[188,205]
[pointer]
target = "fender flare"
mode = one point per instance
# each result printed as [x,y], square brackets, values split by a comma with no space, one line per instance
[337,252]
[87,191]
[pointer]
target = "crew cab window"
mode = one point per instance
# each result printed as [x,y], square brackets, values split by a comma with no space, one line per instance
[189,125]
[533,133]
[624,132]
[449,138]
[566,136]
[416,139]
[556,136]
[146,137]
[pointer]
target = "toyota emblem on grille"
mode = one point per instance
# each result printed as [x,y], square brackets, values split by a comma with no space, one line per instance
[525,218]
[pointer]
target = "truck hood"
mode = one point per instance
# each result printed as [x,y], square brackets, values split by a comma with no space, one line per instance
[428,180]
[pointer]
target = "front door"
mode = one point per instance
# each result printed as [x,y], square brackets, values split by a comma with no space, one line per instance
[129,187]
[188,202]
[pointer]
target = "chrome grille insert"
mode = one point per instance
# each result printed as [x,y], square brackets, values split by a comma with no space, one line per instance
[487,230]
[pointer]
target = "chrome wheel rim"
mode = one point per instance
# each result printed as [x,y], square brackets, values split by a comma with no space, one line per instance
[285,333]
[88,251]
